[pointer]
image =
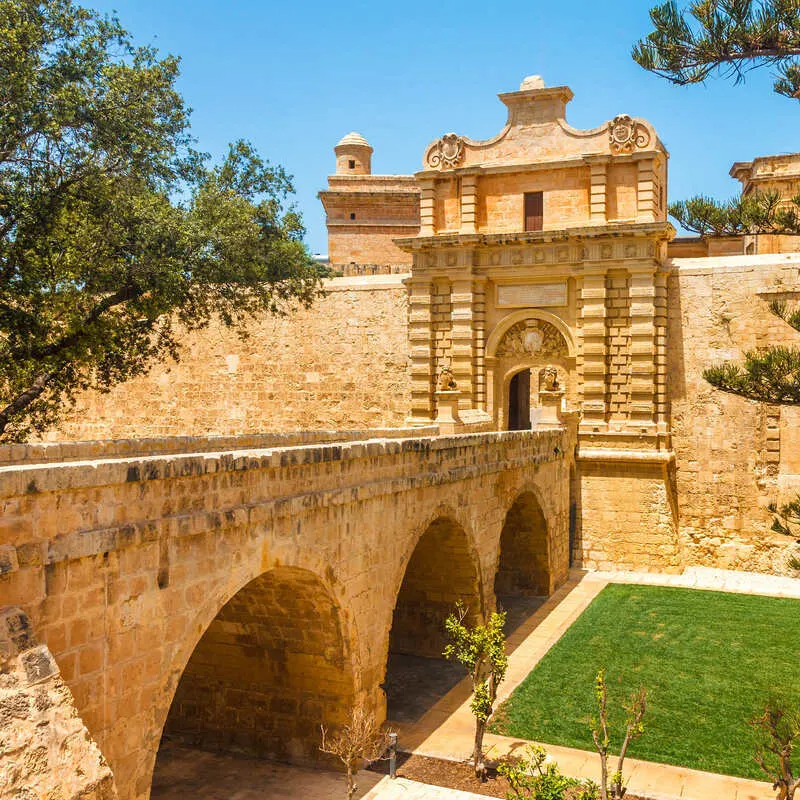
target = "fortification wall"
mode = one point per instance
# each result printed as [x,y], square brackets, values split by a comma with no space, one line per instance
[733,456]
[340,365]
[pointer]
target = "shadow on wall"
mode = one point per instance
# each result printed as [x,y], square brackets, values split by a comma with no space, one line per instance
[269,670]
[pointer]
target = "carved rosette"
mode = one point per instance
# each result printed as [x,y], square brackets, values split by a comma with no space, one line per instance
[627,134]
[532,337]
[447,153]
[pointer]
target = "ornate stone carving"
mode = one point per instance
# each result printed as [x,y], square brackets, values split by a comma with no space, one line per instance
[447,381]
[532,337]
[448,152]
[549,382]
[627,134]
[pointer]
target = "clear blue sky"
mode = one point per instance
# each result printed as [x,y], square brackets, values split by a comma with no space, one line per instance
[294,77]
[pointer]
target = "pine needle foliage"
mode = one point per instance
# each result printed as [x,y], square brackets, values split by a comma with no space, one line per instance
[755,213]
[770,374]
[729,37]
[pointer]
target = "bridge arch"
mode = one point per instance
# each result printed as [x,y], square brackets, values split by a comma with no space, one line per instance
[524,567]
[272,665]
[441,569]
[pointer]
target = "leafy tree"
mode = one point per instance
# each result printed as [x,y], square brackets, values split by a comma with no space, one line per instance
[613,785]
[115,234]
[359,742]
[481,649]
[533,778]
[777,732]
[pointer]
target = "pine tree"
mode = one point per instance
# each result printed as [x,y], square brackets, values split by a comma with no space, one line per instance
[728,37]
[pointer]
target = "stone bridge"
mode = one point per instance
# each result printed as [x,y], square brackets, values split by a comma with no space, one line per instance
[238,599]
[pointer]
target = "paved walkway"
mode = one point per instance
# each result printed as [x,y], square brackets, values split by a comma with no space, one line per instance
[183,773]
[446,730]
[402,789]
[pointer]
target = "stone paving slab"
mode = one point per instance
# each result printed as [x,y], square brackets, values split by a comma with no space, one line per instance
[403,789]
[446,731]
[722,580]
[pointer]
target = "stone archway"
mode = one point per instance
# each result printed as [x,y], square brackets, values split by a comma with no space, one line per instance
[527,342]
[441,572]
[523,568]
[269,670]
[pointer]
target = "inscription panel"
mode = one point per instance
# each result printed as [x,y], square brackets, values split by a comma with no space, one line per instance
[532,295]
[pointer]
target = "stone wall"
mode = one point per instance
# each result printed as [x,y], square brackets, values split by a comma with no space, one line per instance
[46,750]
[733,455]
[340,365]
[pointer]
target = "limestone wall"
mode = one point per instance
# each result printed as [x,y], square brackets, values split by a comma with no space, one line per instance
[733,455]
[340,365]
[47,751]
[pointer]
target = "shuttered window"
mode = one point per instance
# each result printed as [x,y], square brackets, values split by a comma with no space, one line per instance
[534,211]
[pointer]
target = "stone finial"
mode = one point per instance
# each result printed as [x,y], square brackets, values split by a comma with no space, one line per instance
[532,82]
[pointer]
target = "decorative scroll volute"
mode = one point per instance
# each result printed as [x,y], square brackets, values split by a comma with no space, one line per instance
[627,134]
[447,153]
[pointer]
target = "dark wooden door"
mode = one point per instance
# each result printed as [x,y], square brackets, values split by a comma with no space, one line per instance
[519,402]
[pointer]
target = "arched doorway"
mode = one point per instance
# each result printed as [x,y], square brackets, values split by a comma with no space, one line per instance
[269,670]
[440,573]
[522,581]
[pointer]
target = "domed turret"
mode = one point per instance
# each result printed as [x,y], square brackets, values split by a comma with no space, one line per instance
[353,155]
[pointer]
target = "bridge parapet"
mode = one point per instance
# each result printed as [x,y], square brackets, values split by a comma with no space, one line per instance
[55,452]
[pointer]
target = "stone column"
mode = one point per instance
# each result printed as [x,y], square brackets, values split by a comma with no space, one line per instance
[469,204]
[662,401]
[427,202]
[597,191]
[593,349]
[420,340]
[479,342]
[646,194]
[461,299]
[643,349]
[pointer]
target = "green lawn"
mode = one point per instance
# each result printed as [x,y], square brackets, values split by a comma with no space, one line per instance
[708,660]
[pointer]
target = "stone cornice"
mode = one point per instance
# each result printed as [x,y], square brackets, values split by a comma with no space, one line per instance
[659,231]
[538,166]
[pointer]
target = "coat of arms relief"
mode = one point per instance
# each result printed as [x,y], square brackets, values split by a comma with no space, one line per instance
[532,337]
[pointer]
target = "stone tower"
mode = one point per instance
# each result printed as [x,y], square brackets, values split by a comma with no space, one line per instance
[353,155]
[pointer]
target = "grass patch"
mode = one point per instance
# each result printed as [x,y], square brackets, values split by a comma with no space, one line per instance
[709,661]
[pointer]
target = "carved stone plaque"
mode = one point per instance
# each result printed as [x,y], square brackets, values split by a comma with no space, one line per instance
[532,295]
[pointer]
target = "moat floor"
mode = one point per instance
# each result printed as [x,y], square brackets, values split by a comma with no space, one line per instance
[183,772]
[415,684]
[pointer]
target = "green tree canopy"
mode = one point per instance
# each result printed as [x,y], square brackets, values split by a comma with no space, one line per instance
[727,36]
[115,234]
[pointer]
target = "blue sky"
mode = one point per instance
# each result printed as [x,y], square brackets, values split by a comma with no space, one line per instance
[294,77]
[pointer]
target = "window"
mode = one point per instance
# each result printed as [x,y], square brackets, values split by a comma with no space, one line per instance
[352,164]
[353,215]
[534,211]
